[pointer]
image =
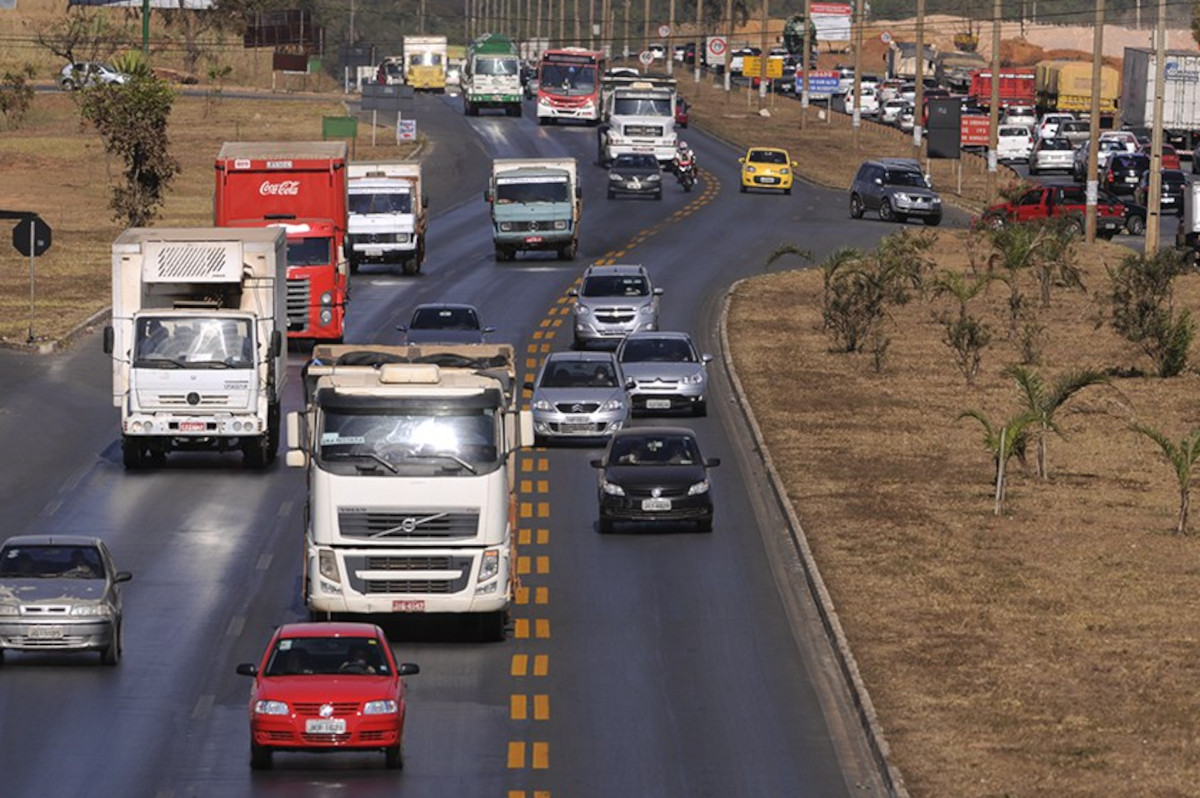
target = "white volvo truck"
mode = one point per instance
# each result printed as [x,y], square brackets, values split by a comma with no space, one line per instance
[411,458]
[197,340]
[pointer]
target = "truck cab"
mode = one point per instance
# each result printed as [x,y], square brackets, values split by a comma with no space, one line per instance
[387,215]
[640,118]
[536,205]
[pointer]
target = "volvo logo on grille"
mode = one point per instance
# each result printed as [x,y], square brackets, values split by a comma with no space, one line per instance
[408,525]
[193,398]
[326,711]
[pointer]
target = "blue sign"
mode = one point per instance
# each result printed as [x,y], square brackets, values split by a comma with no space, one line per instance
[819,86]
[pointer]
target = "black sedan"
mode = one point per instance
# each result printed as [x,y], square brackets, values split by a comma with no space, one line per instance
[1174,184]
[655,475]
[632,173]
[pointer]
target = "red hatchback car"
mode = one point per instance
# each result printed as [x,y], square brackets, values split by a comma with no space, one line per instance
[327,687]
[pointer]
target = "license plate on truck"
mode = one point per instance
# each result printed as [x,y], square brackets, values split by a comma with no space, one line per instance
[325,726]
[533,239]
[408,605]
[192,426]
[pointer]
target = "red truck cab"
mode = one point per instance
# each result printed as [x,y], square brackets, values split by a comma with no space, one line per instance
[1046,202]
[300,186]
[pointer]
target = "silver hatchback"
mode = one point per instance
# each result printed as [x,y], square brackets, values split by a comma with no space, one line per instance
[578,395]
[666,371]
[1051,154]
[60,593]
[612,302]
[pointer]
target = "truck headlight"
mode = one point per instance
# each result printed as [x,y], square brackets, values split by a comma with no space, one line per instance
[327,565]
[560,225]
[9,609]
[506,227]
[327,316]
[489,566]
[327,298]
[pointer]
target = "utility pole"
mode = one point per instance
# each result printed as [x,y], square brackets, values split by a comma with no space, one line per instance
[804,63]
[698,57]
[671,38]
[856,94]
[728,42]
[1093,185]
[762,58]
[919,100]
[646,25]
[994,112]
[1154,190]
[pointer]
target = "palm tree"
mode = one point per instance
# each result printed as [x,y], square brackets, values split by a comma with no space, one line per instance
[786,249]
[1003,442]
[1042,401]
[1182,457]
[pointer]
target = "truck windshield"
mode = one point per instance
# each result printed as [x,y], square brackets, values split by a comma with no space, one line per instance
[381,203]
[641,106]
[449,442]
[568,80]
[532,190]
[192,342]
[497,66]
[425,59]
[309,251]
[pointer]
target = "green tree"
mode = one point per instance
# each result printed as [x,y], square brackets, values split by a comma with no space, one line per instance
[786,249]
[1043,401]
[131,118]
[16,94]
[1181,457]
[965,334]
[1141,301]
[1008,440]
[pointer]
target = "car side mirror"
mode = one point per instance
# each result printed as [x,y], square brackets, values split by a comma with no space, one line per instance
[425,201]
[487,196]
[408,668]
[658,292]
[247,669]
[578,192]
[528,385]
[488,330]
[706,358]
[401,328]
[741,160]
[122,576]
[597,463]
[879,181]
[573,292]
[630,383]
[276,343]
[712,462]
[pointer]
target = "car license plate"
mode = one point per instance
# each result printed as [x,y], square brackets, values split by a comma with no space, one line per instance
[325,726]
[408,605]
[656,505]
[46,632]
[767,180]
[658,404]
[191,426]
[575,427]
[533,239]
[1130,179]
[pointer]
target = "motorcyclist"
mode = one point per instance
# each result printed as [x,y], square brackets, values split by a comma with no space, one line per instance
[683,155]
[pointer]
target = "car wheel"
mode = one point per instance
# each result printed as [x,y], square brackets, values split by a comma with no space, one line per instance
[539,441]
[1195,166]
[605,525]
[260,757]
[111,655]
[658,196]
[856,207]
[393,758]
[933,221]
[885,211]
[787,190]
[700,408]
[1136,226]
[742,188]
[68,84]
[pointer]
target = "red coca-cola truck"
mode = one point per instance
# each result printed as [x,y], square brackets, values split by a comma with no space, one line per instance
[300,186]
[1016,87]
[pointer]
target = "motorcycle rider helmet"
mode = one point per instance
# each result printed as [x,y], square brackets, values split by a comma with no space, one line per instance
[683,146]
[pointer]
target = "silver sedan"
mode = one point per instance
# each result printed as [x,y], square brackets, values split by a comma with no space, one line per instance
[578,395]
[666,371]
[60,593]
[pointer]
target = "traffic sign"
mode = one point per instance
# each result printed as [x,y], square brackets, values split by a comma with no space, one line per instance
[716,48]
[31,236]
[885,37]
[646,57]
[664,30]
[975,131]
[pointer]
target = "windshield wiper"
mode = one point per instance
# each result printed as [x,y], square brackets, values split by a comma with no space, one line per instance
[446,455]
[360,456]
[158,363]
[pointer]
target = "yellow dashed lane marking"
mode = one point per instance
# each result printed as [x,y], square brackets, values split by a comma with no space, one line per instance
[541,595]
[516,754]
[541,756]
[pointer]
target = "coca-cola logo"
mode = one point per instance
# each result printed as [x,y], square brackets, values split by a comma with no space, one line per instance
[284,188]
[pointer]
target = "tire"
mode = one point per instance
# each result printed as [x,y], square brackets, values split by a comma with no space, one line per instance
[255,452]
[605,525]
[260,757]
[658,196]
[933,221]
[492,626]
[273,427]
[393,758]
[410,266]
[539,441]
[1136,226]
[133,453]
[568,251]
[501,254]
[885,211]
[111,654]
[1077,226]
[354,264]
[742,188]
[700,408]
[787,191]
[856,207]
[1033,170]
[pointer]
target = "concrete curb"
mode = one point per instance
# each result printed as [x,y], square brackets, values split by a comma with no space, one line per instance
[848,666]
[52,345]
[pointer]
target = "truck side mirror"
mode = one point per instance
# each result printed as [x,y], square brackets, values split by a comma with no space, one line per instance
[578,192]
[293,431]
[109,337]
[276,343]
[425,201]
[487,195]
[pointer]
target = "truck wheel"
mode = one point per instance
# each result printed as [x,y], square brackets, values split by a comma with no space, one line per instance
[260,757]
[410,266]
[568,251]
[273,417]
[491,626]
[353,265]
[133,453]
[255,452]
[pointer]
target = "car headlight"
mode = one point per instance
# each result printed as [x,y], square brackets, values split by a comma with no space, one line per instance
[693,379]
[748,169]
[582,310]
[616,178]
[265,707]
[936,200]
[542,404]
[614,404]
[902,197]
[698,488]
[646,310]
[327,565]
[611,488]
[9,609]
[783,171]
[489,566]
[384,707]
[92,610]
[653,178]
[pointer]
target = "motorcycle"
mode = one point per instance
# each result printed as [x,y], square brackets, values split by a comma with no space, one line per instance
[685,171]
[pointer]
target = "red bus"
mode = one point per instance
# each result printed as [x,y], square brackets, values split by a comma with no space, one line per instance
[569,85]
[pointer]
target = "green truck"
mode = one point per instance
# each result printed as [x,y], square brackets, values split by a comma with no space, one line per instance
[491,76]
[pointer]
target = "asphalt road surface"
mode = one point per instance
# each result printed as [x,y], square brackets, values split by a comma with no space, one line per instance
[660,664]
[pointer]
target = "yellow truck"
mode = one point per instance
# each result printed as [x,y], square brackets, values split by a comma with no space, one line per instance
[425,59]
[1067,86]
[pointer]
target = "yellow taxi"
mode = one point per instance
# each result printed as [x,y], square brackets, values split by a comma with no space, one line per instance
[767,167]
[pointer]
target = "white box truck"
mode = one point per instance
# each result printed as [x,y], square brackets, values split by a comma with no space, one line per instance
[387,215]
[197,340]
[411,458]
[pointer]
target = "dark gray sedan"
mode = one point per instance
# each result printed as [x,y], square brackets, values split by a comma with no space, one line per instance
[60,593]
[445,323]
[635,174]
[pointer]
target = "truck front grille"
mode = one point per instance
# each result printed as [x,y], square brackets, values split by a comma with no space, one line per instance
[297,303]
[396,583]
[390,525]
[653,131]
[207,400]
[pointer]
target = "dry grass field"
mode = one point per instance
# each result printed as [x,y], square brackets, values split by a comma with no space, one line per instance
[1046,652]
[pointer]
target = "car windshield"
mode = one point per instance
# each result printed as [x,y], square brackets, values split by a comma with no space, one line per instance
[327,656]
[636,162]
[425,59]
[531,189]
[766,156]
[579,374]
[615,285]
[657,350]
[193,342]
[904,177]
[51,562]
[654,450]
[381,203]
[414,438]
[444,319]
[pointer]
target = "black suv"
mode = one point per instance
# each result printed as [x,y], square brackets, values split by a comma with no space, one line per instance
[1124,172]
[896,189]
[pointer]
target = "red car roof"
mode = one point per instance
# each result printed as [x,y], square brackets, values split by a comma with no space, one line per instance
[329,629]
